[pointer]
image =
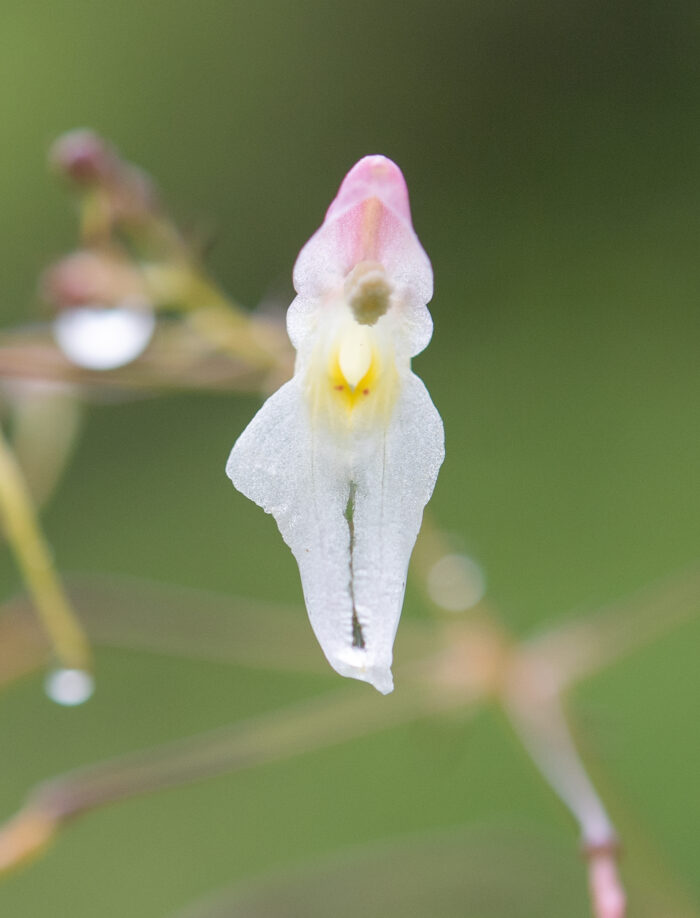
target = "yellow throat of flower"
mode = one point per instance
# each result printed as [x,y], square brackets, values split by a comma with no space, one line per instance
[352,377]
[356,380]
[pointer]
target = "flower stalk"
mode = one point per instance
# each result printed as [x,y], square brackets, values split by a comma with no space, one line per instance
[34,559]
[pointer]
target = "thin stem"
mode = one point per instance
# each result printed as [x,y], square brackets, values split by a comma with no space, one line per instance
[299,729]
[225,326]
[175,362]
[544,733]
[575,649]
[45,423]
[535,711]
[34,559]
[259,344]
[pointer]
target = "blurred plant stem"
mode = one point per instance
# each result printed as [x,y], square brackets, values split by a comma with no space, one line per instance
[470,661]
[218,322]
[34,558]
[291,731]
[536,713]
[45,425]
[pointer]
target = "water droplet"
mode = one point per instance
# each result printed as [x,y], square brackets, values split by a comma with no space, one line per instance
[104,339]
[69,687]
[456,583]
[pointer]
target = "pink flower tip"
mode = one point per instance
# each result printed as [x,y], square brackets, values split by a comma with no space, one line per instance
[373,177]
[369,220]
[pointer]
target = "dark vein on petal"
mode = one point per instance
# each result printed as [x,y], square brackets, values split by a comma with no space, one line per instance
[358,639]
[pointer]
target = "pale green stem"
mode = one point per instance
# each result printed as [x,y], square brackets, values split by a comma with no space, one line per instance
[216,319]
[34,559]
[45,422]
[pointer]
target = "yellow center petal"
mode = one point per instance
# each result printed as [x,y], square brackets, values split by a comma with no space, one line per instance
[355,353]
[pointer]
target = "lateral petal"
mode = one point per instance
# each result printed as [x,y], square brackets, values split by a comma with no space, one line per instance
[393,483]
[297,473]
[349,513]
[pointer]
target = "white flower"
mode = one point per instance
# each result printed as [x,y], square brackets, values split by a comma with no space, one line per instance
[345,455]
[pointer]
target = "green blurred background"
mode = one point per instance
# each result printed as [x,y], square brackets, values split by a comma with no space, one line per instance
[551,150]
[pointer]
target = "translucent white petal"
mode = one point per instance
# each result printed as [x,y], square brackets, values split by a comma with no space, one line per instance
[301,478]
[413,327]
[350,509]
[394,475]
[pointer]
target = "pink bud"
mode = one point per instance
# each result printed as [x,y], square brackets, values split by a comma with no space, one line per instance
[91,277]
[82,156]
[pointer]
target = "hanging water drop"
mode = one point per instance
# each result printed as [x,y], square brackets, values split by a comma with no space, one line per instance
[69,687]
[103,339]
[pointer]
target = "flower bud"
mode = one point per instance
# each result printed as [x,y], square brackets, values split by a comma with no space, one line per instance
[83,156]
[91,277]
[93,163]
